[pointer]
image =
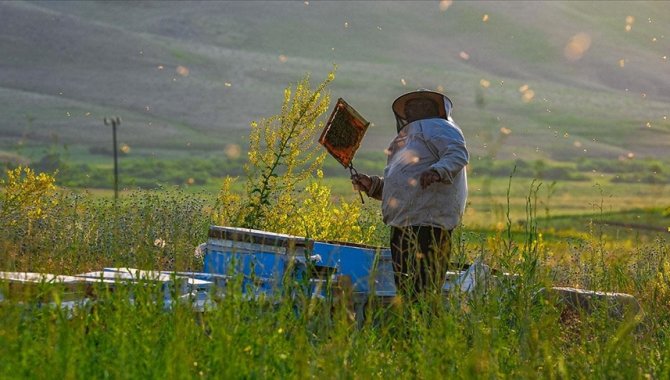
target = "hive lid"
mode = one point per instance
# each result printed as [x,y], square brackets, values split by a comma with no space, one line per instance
[32,277]
[248,235]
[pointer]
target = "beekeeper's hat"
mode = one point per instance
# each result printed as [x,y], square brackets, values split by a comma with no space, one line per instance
[444,104]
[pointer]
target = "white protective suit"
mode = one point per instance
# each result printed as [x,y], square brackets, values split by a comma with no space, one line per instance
[435,143]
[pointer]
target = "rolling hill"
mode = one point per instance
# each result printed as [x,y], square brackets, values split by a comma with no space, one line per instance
[561,80]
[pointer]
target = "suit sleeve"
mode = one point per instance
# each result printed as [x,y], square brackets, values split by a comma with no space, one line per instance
[452,152]
[376,188]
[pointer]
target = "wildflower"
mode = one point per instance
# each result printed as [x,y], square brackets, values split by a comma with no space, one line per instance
[160,243]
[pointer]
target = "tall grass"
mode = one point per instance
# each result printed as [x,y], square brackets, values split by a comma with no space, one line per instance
[79,233]
[501,332]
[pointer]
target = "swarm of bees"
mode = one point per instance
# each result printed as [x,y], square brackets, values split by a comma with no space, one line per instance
[342,133]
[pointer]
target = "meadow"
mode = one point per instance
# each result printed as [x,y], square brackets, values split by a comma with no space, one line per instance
[548,231]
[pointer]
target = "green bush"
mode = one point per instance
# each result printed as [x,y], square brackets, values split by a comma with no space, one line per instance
[538,170]
[140,172]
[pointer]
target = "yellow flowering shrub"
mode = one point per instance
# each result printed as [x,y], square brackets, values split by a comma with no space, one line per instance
[283,152]
[319,217]
[227,210]
[282,194]
[25,194]
[661,285]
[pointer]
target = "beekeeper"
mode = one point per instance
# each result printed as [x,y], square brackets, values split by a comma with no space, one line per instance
[423,190]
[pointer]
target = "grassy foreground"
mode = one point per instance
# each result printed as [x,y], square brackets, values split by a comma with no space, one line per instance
[502,331]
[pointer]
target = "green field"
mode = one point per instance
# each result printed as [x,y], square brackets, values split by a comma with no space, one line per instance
[504,331]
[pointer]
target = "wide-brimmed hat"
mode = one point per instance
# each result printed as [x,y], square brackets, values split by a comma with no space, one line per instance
[444,104]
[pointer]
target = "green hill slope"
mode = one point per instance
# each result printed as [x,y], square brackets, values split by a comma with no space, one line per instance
[191,75]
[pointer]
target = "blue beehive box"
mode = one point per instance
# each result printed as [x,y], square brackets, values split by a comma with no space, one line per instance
[261,255]
[369,268]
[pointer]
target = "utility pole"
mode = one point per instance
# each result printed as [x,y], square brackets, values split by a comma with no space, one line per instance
[114,122]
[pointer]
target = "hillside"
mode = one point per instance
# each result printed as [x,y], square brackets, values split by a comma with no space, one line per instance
[188,77]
